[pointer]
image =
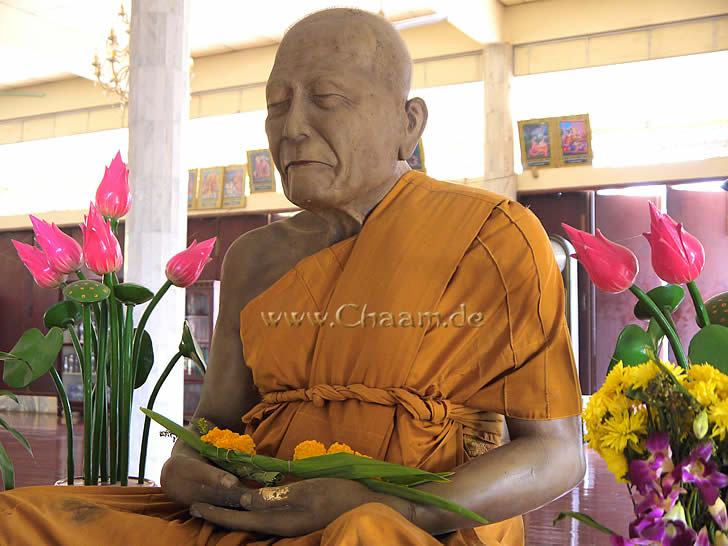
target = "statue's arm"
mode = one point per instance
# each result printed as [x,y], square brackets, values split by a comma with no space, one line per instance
[543,460]
[228,392]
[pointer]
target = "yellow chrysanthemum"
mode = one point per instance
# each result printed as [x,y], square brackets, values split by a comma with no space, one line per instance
[638,377]
[623,428]
[337,447]
[705,373]
[705,392]
[595,410]
[614,382]
[616,463]
[718,416]
[227,439]
[309,448]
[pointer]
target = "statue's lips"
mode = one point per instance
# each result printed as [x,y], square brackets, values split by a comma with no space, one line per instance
[304,163]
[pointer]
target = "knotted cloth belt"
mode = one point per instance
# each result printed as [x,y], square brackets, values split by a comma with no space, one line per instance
[430,409]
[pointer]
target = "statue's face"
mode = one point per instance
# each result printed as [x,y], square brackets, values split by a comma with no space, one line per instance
[334,123]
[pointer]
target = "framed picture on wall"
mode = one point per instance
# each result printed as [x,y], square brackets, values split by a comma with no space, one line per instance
[261,171]
[233,188]
[575,140]
[209,193]
[417,159]
[192,188]
[536,140]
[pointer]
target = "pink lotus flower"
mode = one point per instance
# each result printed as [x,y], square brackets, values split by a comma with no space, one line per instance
[63,252]
[677,256]
[113,197]
[184,268]
[611,267]
[100,246]
[37,263]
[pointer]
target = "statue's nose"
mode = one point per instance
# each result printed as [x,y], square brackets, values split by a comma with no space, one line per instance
[296,124]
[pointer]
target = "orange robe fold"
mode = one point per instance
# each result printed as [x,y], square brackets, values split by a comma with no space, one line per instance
[409,341]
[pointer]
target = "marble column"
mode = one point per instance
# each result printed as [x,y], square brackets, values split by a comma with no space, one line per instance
[497,73]
[156,227]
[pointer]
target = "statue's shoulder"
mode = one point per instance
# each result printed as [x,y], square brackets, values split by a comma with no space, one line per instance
[440,187]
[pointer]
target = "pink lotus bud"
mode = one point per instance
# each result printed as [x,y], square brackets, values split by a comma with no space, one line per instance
[63,252]
[184,269]
[611,267]
[113,197]
[37,263]
[100,247]
[677,256]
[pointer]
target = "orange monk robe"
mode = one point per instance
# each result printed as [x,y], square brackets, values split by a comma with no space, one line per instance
[420,394]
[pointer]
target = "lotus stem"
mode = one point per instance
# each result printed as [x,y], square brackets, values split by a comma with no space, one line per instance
[88,416]
[147,419]
[143,323]
[700,310]
[127,387]
[100,392]
[114,382]
[664,324]
[66,405]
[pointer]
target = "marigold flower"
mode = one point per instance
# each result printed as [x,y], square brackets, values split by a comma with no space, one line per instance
[309,448]
[337,447]
[227,439]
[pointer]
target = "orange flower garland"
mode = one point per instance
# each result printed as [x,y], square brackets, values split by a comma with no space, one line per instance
[227,439]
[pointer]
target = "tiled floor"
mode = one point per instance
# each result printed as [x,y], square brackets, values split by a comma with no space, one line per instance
[598,495]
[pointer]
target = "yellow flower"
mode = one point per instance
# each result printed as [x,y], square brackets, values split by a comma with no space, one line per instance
[614,382]
[705,392]
[227,439]
[337,447]
[616,463]
[638,377]
[718,415]
[623,428]
[705,373]
[309,448]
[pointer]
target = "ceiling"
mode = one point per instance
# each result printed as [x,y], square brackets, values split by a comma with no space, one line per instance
[46,40]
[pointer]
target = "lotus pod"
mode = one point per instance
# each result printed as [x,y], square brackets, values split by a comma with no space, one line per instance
[86,292]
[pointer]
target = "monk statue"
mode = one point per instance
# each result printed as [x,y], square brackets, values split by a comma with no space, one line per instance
[376,247]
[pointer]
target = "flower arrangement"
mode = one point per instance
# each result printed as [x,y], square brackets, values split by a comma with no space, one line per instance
[661,427]
[236,453]
[115,356]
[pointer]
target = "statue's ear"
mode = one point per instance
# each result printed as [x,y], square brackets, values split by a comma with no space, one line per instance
[416,111]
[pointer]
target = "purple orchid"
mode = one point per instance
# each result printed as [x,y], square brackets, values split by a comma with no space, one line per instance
[703,473]
[718,512]
[703,538]
[643,474]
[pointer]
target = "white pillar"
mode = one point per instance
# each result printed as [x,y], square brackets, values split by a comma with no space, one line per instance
[497,73]
[156,227]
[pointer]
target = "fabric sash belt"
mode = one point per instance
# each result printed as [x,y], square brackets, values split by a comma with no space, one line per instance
[430,409]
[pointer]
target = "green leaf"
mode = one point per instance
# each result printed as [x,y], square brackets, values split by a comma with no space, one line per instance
[62,314]
[10,395]
[710,345]
[146,360]
[655,333]
[189,437]
[129,293]
[6,469]
[422,497]
[191,349]
[35,355]
[668,297]
[586,520]
[717,308]
[17,435]
[354,467]
[86,292]
[634,346]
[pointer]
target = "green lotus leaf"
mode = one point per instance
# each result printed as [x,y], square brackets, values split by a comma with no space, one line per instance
[34,354]
[717,308]
[146,360]
[86,292]
[129,293]
[191,349]
[62,314]
[667,297]
[634,347]
[710,345]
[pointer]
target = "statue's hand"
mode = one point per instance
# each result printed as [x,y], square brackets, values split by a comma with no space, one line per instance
[188,478]
[297,508]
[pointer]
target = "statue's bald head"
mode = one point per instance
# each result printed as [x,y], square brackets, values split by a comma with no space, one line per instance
[338,114]
[358,35]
